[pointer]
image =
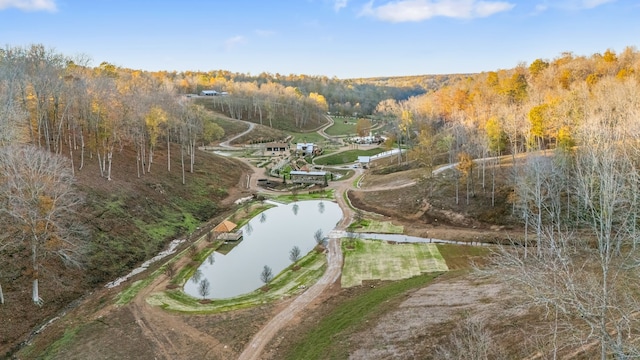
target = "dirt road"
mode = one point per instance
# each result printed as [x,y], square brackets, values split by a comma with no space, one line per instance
[171,336]
[334,269]
[332,274]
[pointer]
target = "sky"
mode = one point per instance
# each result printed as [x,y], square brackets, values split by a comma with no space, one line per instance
[333,38]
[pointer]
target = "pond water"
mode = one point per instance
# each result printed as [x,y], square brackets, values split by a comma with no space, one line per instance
[268,238]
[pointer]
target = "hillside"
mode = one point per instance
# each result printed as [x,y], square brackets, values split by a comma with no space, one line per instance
[130,220]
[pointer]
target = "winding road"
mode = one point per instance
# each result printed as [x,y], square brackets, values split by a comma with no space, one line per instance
[334,269]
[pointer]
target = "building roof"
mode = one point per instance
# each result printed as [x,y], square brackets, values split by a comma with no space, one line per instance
[276,144]
[225,226]
[313,173]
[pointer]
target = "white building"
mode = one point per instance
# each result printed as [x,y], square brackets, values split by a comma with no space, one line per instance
[306,148]
[208,93]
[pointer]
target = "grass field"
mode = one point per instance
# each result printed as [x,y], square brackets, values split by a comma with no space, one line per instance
[346,157]
[379,260]
[340,127]
[309,137]
[373,226]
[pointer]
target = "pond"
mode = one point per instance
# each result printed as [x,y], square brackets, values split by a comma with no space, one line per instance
[268,238]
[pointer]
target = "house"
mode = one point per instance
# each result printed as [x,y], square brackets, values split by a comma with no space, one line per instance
[224,231]
[276,147]
[208,93]
[306,148]
[308,177]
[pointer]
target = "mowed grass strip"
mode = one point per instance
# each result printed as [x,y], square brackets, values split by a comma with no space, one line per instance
[380,260]
[378,227]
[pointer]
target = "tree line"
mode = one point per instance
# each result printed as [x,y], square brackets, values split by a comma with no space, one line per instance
[57,114]
[570,127]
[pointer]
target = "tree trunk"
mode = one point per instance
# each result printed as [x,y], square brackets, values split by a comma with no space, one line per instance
[182,161]
[168,154]
[138,160]
[471,175]
[143,155]
[81,151]
[73,166]
[150,159]
[100,165]
[35,296]
[457,191]
[192,155]
[109,156]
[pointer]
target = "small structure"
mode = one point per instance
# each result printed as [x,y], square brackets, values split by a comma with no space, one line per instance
[306,148]
[364,160]
[276,147]
[309,177]
[209,93]
[225,231]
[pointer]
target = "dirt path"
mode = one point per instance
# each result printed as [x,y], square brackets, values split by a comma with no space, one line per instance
[334,269]
[227,143]
[171,336]
[332,274]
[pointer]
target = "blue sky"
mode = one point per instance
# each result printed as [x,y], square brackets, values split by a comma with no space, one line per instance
[342,38]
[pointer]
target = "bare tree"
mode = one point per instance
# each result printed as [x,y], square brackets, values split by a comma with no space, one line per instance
[469,341]
[204,287]
[36,188]
[585,274]
[266,275]
[294,254]
[197,276]
[319,237]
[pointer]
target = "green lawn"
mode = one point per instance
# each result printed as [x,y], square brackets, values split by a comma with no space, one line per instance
[373,226]
[309,137]
[346,157]
[380,260]
[340,128]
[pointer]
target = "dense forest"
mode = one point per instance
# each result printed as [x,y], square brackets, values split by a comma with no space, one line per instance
[569,125]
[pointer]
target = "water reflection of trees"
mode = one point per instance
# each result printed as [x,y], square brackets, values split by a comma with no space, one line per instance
[197,275]
[263,217]
[321,207]
[295,209]
[211,259]
[248,228]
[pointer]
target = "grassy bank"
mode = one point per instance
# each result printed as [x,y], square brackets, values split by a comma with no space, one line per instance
[330,338]
[287,283]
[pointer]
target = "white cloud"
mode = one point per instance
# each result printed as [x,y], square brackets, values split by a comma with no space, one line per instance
[339,4]
[590,4]
[234,41]
[29,5]
[571,4]
[419,10]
